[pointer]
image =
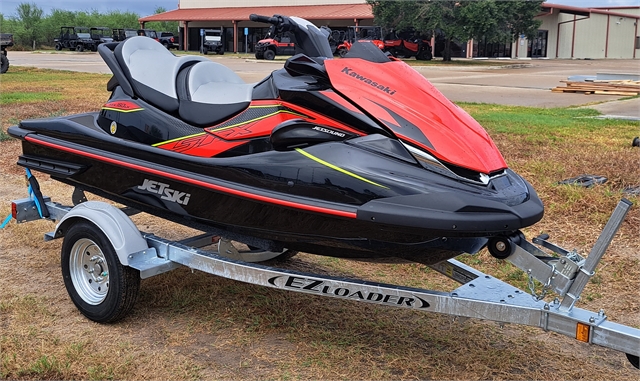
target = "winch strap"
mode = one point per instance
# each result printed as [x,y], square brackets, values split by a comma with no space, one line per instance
[34,190]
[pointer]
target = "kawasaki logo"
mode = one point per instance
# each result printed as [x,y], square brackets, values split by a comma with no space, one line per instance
[348,71]
[167,193]
[315,286]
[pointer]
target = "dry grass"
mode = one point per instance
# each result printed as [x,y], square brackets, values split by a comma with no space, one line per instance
[191,325]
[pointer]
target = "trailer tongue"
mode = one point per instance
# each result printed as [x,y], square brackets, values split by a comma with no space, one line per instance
[118,253]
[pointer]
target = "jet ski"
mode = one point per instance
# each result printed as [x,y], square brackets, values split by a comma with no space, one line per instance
[357,157]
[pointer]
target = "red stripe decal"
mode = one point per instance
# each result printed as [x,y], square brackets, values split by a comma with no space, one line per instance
[122,106]
[219,188]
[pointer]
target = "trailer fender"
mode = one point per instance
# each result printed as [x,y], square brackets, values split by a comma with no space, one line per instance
[117,226]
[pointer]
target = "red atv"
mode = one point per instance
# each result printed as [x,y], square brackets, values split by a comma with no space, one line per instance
[273,45]
[408,44]
[360,34]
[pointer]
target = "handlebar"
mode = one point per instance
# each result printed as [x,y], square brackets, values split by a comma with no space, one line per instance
[265,19]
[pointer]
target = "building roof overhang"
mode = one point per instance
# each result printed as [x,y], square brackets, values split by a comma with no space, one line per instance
[316,12]
[558,8]
[548,8]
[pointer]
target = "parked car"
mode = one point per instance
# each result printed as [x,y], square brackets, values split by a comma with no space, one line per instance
[213,41]
[168,40]
[76,38]
[6,40]
[121,34]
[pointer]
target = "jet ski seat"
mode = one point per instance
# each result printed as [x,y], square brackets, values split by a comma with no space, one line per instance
[210,92]
[201,96]
[152,70]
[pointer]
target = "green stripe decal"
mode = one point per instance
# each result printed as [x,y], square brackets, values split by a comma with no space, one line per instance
[318,160]
[178,139]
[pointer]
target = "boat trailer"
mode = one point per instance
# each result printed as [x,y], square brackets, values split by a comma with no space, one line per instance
[125,251]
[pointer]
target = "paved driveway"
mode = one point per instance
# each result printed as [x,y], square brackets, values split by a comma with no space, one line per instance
[521,82]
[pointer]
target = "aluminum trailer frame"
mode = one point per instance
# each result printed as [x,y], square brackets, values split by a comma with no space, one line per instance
[480,296]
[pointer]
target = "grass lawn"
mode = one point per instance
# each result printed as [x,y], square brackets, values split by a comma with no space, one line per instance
[190,325]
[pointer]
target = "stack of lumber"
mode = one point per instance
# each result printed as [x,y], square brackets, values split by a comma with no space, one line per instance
[604,87]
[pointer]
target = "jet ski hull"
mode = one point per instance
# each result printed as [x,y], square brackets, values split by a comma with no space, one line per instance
[427,227]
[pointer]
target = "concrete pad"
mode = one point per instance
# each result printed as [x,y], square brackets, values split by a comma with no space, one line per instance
[623,109]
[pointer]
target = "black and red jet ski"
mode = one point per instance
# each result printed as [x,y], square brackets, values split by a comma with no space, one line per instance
[359,157]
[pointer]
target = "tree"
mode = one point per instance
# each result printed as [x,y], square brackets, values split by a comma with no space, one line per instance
[496,21]
[29,17]
[500,21]
[163,26]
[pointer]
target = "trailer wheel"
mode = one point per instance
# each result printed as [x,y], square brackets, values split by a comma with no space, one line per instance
[634,360]
[58,46]
[4,64]
[99,285]
[79,48]
[269,54]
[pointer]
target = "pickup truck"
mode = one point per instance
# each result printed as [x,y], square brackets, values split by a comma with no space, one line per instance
[168,40]
[6,40]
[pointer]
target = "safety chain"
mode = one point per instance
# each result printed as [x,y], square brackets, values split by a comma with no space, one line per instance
[545,289]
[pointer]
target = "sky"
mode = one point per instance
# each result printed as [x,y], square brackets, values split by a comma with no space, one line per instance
[147,7]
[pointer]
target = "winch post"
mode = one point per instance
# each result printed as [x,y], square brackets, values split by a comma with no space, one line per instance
[598,250]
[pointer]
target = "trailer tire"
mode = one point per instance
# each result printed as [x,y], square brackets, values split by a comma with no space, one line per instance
[4,63]
[58,46]
[79,48]
[110,294]
[269,54]
[634,360]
